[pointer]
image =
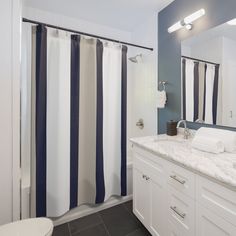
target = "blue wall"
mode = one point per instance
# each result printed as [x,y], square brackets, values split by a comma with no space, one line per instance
[169,47]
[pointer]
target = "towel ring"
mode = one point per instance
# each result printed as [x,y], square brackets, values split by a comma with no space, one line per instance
[163,83]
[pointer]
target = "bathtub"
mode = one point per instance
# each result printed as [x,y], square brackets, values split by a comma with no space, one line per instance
[81,210]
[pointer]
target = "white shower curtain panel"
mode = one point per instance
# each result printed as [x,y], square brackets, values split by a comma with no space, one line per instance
[112,118]
[58,122]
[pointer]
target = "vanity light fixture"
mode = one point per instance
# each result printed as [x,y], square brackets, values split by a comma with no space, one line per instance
[187,22]
[232,22]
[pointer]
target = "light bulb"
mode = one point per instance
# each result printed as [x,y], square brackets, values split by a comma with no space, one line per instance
[232,22]
[175,27]
[196,15]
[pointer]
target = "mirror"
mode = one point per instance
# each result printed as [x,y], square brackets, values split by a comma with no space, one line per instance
[209,76]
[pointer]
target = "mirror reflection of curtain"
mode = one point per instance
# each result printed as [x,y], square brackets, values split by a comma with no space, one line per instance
[200,82]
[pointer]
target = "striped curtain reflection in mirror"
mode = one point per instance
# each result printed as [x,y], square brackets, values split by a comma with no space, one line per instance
[78,121]
[200,85]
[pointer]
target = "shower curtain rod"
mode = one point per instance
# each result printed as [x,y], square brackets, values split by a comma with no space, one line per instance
[195,59]
[86,34]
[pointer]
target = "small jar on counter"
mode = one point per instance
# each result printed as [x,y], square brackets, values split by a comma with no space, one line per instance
[171,129]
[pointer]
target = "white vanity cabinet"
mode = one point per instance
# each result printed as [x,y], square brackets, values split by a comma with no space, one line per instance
[173,201]
[149,196]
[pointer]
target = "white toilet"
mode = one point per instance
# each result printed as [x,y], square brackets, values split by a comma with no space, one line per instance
[29,227]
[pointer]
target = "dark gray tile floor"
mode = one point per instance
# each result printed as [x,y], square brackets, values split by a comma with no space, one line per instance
[115,221]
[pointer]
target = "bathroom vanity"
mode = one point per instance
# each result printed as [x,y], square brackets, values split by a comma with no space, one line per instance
[179,191]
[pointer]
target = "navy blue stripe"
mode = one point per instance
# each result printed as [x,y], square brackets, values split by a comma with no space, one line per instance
[74,124]
[124,122]
[41,119]
[204,99]
[184,87]
[100,185]
[196,91]
[215,95]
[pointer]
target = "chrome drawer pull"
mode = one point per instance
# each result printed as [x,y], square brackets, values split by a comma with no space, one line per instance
[174,177]
[182,215]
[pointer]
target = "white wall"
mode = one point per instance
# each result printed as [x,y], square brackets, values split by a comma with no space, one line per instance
[143,82]
[75,24]
[9,99]
[5,112]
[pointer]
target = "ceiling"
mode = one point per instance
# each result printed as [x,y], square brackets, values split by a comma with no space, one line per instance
[119,14]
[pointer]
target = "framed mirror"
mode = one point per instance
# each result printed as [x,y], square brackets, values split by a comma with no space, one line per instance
[209,76]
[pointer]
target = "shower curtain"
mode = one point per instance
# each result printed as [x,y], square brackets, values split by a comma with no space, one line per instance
[200,91]
[78,121]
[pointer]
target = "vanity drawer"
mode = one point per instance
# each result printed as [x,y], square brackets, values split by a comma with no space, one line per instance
[152,170]
[141,164]
[181,212]
[181,179]
[217,198]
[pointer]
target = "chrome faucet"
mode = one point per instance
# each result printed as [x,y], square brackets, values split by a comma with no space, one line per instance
[186,130]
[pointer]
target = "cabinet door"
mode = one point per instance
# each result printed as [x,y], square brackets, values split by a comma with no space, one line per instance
[157,207]
[141,196]
[207,223]
[173,230]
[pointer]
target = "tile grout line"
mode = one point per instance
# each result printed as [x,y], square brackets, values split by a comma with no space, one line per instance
[104,224]
[85,228]
[108,233]
[68,226]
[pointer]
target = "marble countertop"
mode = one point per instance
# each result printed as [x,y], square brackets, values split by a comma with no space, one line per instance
[221,167]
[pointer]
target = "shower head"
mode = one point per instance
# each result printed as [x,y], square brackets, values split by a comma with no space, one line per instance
[135,58]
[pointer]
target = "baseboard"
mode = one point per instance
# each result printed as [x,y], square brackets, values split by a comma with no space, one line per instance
[88,210]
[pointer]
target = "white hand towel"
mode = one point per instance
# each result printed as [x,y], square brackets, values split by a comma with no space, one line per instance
[161,99]
[208,144]
[227,137]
